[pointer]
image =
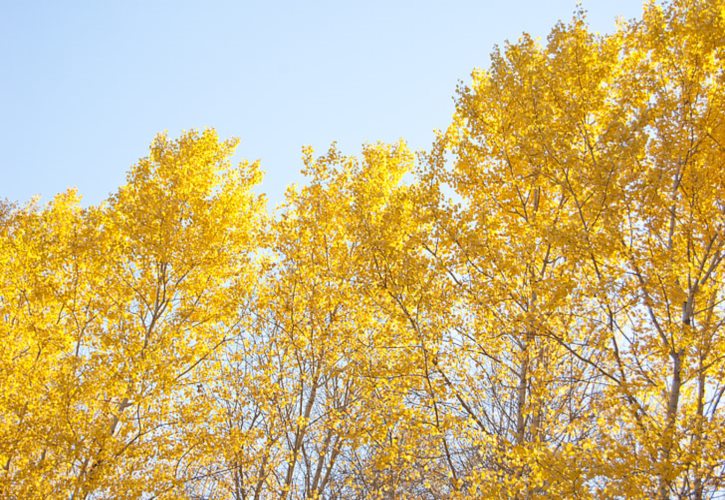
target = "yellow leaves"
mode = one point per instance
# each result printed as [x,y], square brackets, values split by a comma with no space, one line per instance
[121,305]
[534,310]
[570,246]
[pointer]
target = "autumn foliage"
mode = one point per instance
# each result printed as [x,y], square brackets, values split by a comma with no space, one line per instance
[533,308]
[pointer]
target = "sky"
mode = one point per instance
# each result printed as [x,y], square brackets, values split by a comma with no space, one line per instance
[86,85]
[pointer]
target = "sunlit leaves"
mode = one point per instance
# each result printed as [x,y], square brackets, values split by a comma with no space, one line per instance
[532,309]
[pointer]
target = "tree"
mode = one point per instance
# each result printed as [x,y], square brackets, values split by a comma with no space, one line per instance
[588,243]
[532,309]
[114,312]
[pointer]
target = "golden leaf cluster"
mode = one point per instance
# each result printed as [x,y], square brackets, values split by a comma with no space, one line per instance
[534,308]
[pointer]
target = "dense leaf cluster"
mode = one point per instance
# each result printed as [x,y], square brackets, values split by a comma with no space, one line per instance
[534,308]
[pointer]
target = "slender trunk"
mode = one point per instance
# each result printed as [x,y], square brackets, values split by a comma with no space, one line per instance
[314,488]
[698,486]
[673,398]
[262,476]
[521,396]
[673,401]
[299,436]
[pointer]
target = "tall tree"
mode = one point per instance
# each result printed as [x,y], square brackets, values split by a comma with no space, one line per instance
[587,237]
[116,309]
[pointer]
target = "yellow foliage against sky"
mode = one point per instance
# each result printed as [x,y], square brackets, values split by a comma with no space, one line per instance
[531,309]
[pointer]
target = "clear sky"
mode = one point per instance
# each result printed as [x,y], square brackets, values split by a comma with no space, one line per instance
[85,85]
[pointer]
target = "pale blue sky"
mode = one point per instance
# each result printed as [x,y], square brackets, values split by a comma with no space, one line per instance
[85,85]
